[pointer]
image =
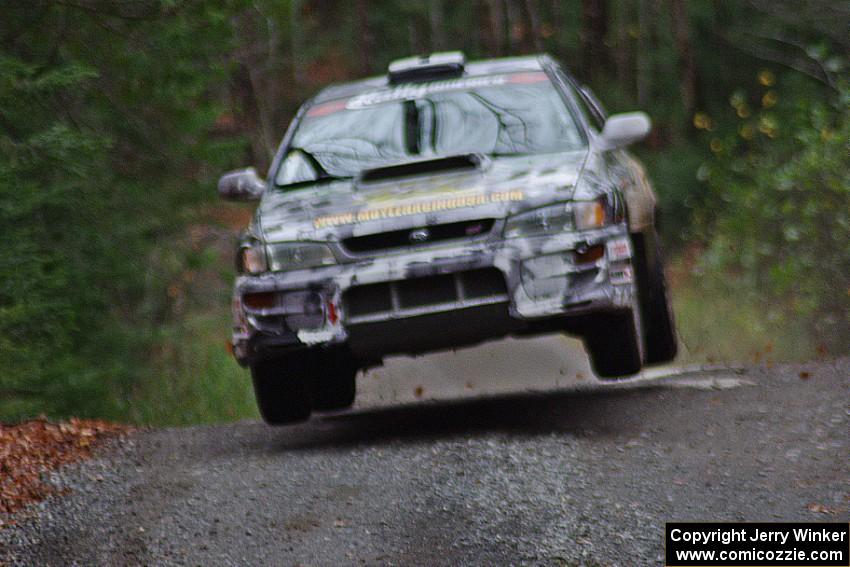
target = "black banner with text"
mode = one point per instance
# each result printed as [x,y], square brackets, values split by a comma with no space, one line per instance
[800,544]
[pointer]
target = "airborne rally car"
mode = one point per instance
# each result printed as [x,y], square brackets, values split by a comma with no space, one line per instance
[444,204]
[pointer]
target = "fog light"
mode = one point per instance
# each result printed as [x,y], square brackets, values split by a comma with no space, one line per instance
[264,300]
[546,276]
[313,304]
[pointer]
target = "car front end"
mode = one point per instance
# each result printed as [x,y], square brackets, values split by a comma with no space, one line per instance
[440,206]
[378,291]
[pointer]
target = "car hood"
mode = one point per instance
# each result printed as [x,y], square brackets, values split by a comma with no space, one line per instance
[338,209]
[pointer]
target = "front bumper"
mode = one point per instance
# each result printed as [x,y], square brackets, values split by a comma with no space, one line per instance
[545,277]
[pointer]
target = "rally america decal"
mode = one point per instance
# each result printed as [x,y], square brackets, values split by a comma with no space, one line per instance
[415,91]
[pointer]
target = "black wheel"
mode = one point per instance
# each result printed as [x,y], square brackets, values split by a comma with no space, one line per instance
[283,389]
[336,382]
[658,324]
[613,343]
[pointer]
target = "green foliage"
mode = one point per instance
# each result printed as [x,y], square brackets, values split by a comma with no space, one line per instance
[49,186]
[195,380]
[102,130]
[780,182]
[116,117]
[715,325]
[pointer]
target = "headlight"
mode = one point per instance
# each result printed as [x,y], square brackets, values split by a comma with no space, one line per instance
[252,260]
[299,255]
[540,222]
[593,214]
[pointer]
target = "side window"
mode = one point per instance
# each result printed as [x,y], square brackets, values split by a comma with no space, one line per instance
[597,111]
[586,109]
[296,168]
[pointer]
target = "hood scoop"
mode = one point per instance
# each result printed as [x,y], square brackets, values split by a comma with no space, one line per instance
[459,163]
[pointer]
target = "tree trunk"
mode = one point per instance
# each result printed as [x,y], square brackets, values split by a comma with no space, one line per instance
[644,66]
[534,18]
[250,89]
[515,34]
[298,74]
[497,26]
[594,28]
[558,24]
[248,116]
[685,54]
[417,46]
[478,18]
[435,15]
[365,38]
[623,59]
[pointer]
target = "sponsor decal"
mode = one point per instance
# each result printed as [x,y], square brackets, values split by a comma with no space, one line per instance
[418,90]
[618,249]
[622,276]
[395,211]
[326,108]
[414,91]
[528,78]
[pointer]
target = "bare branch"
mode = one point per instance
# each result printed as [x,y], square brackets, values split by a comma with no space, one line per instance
[806,66]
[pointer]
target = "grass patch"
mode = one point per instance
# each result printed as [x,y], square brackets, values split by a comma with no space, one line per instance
[717,323]
[194,379]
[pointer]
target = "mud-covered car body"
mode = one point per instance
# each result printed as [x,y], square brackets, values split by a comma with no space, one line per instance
[430,250]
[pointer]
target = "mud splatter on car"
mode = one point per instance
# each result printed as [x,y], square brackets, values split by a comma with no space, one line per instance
[444,204]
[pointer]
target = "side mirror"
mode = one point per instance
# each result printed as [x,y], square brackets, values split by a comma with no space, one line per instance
[241,185]
[621,130]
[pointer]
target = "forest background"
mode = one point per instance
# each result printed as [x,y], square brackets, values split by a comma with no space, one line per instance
[117,117]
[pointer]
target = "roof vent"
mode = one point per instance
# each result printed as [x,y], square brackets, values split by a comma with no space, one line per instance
[427,67]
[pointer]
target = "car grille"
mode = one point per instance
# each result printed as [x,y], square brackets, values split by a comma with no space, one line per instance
[407,237]
[425,295]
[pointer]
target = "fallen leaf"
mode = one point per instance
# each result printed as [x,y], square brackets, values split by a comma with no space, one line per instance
[418,391]
[30,449]
[804,375]
[819,509]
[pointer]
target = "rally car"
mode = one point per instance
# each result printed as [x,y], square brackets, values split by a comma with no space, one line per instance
[440,205]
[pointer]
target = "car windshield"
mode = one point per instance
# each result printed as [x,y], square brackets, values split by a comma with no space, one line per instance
[519,113]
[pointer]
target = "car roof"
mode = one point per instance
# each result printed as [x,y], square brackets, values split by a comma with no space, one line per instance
[471,69]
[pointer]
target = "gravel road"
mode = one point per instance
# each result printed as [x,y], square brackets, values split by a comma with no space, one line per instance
[585,474]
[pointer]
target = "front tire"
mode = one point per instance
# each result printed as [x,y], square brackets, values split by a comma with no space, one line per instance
[283,390]
[613,343]
[658,323]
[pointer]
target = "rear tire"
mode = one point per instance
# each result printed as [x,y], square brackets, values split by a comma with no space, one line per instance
[283,390]
[658,323]
[612,341]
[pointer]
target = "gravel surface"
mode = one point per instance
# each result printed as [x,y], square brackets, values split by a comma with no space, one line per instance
[586,476]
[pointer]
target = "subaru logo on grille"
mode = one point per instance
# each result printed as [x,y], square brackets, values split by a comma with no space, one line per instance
[419,235]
